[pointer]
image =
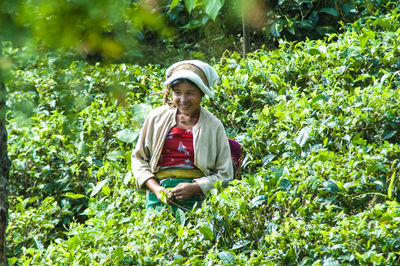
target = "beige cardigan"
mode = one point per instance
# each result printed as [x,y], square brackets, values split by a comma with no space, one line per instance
[211,146]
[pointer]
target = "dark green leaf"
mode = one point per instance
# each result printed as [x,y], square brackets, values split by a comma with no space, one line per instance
[258,200]
[330,11]
[389,134]
[330,186]
[240,244]
[284,184]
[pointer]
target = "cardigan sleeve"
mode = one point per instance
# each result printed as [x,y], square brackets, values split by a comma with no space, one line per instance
[222,169]
[141,155]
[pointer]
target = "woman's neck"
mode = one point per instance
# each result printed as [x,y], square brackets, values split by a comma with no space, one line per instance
[185,121]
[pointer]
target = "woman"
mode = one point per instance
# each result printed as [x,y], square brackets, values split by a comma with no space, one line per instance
[182,147]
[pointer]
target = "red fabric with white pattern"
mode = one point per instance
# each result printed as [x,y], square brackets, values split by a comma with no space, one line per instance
[178,148]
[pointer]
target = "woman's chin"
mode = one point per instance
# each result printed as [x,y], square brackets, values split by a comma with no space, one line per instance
[186,111]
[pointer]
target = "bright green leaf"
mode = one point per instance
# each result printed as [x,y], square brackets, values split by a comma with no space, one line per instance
[207,232]
[189,5]
[390,188]
[174,4]
[73,195]
[106,190]
[164,197]
[212,7]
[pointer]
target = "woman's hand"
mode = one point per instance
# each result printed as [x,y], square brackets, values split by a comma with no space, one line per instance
[158,192]
[156,188]
[184,191]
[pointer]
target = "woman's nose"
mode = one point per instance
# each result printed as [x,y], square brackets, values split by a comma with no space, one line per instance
[184,98]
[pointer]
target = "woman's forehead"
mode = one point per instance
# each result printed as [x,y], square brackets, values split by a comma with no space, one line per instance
[186,86]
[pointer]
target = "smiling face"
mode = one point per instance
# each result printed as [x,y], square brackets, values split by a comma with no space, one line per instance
[187,98]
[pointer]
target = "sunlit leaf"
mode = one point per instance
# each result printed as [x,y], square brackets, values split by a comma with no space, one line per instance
[331,262]
[164,197]
[140,112]
[127,135]
[114,155]
[98,187]
[207,232]
[74,196]
[127,178]
[180,216]
[390,188]
[106,190]
[212,7]
[303,136]
[174,3]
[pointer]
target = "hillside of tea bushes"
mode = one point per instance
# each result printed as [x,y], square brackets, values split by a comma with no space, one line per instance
[320,125]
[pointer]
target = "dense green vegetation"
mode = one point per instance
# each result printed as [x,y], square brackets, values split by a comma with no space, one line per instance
[319,121]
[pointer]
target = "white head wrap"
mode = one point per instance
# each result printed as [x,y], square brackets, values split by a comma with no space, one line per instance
[200,73]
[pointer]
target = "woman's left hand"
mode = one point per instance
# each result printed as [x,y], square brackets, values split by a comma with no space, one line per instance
[184,191]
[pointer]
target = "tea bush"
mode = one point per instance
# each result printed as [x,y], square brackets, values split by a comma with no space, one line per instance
[319,123]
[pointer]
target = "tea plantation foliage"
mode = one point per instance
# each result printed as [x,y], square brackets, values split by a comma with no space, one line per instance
[320,125]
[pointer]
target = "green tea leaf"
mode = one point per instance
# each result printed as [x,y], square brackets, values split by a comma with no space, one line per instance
[330,11]
[73,195]
[98,187]
[258,200]
[303,136]
[164,197]
[189,5]
[106,190]
[330,186]
[212,7]
[174,4]
[240,244]
[115,155]
[180,216]
[390,188]
[140,112]
[389,134]
[226,257]
[127,135]
[207,232]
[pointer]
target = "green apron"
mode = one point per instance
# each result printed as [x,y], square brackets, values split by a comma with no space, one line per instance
[153,205]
